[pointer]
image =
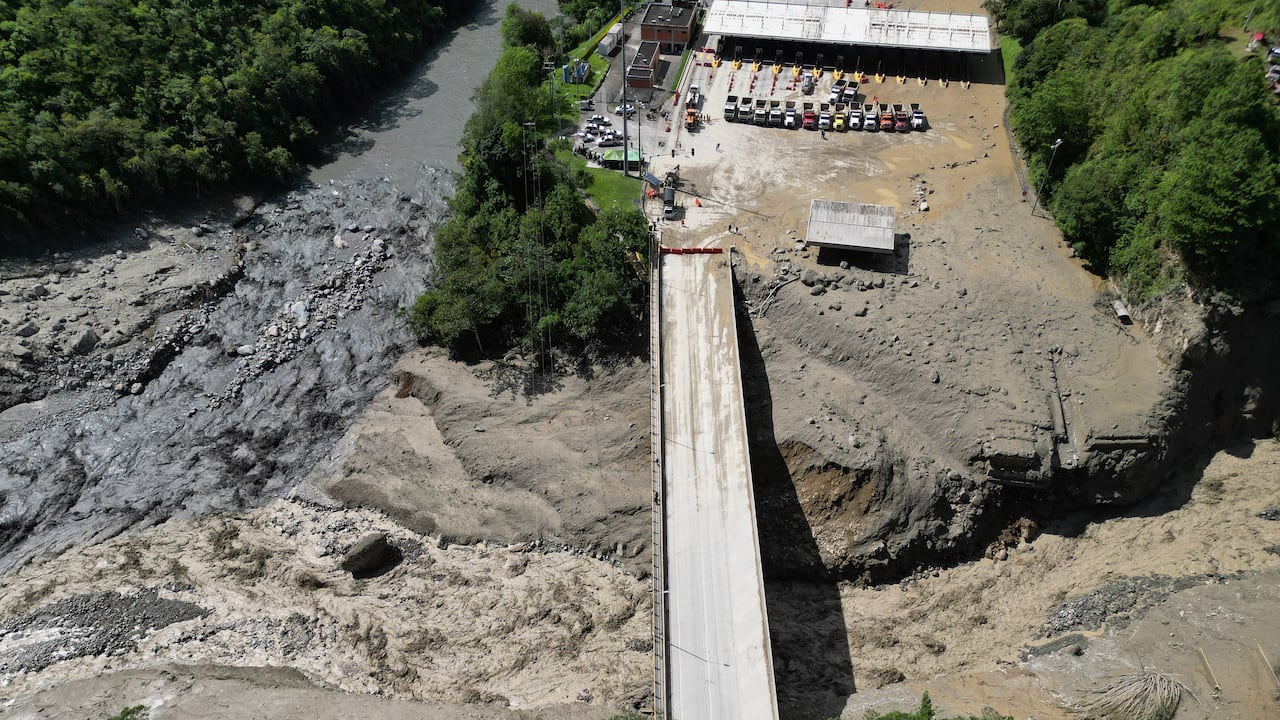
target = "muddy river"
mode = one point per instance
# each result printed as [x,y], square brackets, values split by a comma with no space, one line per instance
[259,380]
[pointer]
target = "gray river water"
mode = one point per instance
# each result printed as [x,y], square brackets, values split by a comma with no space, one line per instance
[214,431]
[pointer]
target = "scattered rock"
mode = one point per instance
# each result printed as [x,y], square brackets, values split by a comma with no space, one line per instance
[136,388]
[809,278]
[27,330]
[860,312]
[39,291]
[61,268]
[372,555]
[86,342]
[924,206]
[879,677]
[246,350]
[934,377]
[197,230]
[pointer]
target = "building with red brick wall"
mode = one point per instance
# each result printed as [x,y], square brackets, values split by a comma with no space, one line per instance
[670,27]
[643,70]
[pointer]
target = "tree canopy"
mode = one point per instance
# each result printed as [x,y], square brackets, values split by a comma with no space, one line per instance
[523,262]
[1170,157]
[106,104]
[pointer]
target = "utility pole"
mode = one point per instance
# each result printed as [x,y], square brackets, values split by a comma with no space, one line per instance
[1056,144]
[626,143]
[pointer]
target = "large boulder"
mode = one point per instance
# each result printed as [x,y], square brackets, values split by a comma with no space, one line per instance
[86,342]
[371,555]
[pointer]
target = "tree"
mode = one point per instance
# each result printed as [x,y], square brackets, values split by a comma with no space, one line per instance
[526,28]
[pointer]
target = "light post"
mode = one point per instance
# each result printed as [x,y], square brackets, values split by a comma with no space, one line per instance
[1048,168]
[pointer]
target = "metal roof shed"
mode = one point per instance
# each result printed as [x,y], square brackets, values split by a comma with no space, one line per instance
[823,23]
[851,226]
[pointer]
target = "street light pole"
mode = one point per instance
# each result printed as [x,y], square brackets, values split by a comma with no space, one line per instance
[1048,168]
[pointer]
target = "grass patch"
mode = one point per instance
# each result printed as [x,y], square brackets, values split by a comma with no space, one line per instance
[568,95]
[1009,49]
[684,59]
[606,188]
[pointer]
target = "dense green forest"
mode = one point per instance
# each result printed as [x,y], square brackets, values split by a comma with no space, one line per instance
[1170,155]
[523,262]
[107,104]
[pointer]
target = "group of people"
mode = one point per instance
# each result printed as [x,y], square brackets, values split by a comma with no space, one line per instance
[587,153]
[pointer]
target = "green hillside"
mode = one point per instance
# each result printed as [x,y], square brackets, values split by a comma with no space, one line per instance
[1170,155]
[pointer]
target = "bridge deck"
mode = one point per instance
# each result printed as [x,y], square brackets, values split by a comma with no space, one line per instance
[719,664]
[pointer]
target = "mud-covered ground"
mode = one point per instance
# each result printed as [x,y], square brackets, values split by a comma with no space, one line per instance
[203,416]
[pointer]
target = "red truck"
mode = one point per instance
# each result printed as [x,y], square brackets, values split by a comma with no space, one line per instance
[810,117]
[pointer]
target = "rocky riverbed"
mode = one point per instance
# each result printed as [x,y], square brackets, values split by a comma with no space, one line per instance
[183,369]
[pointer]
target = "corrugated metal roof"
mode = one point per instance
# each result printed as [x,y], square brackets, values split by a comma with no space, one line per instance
[840,25]
[851,226]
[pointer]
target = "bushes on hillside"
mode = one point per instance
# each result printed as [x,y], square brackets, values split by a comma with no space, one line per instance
[1171,145]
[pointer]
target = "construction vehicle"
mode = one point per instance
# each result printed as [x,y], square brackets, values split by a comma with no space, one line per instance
[917,117]
[690,118]
[837,92]
[744,109]
[886,118]
[824,116]
[775,113]
[731,108]
[855,118]
[693,97]
[669,209]
[791,121]
[840,119]
[809,117]
[806,83]
[760,116]
[901,118]
[850,93]
[870,122]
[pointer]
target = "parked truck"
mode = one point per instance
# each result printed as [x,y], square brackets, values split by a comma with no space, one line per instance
[744,109]
[917,117]
[760,115]
[850,93]
[690,118]
[870,121]
[791,121]
[775,113]
[824,116]
[901,118]
[855,118]
[840,120]
[731,108]
[886,118]
[837,92]
[809,117]
[806,83]
[693,97]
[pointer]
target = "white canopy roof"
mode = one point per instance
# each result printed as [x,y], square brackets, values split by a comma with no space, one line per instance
[840,25]
[851,226]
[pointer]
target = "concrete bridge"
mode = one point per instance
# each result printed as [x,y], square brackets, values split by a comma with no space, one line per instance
[712,652]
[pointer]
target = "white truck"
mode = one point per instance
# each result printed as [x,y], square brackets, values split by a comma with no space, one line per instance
[917,117]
